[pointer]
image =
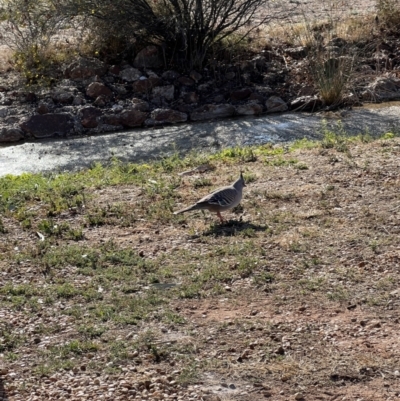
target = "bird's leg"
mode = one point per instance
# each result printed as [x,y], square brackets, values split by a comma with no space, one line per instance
[220,217]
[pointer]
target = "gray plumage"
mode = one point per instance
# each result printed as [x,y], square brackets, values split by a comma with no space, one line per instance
[221,199]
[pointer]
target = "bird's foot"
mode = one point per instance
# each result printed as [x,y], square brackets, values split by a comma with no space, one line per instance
[221,219]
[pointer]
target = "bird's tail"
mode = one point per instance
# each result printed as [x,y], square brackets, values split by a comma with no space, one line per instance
[186,209]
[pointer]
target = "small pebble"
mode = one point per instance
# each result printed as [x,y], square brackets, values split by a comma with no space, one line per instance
[299,397]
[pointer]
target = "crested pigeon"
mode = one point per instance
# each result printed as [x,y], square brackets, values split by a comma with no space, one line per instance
[221,199]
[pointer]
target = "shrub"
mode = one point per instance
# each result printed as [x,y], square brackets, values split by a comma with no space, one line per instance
[29,26]
[186,29]
[331,75]
[332,57]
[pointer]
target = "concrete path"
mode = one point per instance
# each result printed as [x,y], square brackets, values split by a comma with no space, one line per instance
[144,144]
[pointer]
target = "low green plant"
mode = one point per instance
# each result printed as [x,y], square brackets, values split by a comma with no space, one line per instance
[335,137]
[202,182]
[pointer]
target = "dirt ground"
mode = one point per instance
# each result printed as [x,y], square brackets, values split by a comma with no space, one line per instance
[295,11]
[296,297]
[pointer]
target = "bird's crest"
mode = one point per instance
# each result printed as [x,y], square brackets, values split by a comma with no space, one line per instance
[242,178]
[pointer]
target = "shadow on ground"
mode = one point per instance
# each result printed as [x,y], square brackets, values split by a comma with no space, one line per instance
[231,228]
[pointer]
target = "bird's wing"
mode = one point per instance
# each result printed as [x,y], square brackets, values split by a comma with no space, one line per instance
[222,197]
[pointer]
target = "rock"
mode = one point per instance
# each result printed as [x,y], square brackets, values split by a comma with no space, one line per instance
[130,74]
[6,101]
[114,70]
[219,98]
[167,92]
[108,128]
[205,87]
[196,76]
[170,75]
[139,104]
[299,397]
[71,84]
[149,57]
[296,52]
[351,99]
[101,101]
[119,89]
[191,97]
[185,81]
[78,100]
[162,116]
[89,116]
[210,111]
[111,119]
[107,79]
[12,120]
[383,88]
[374,324]
[3,111]
[132,118]
[11,135]
[249,109]
[256,97]
[84,68]
[151,74]
[145,85]
[230,75]
[96,89]
[63,97]
[275,104]
[47,125]
[240,94]
[306,103]
[43,108]
[117,108]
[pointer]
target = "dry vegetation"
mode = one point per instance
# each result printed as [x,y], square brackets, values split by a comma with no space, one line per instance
[105,293]
[350,34]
